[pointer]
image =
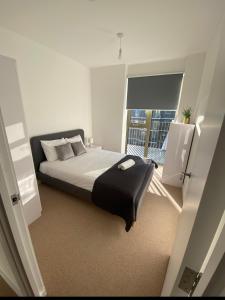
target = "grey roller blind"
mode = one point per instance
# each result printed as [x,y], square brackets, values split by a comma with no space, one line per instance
[154,92]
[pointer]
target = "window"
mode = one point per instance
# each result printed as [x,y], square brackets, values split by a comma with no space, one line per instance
[147,133]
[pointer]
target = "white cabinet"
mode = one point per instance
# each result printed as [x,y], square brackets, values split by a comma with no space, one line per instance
[177,152]
[14,120]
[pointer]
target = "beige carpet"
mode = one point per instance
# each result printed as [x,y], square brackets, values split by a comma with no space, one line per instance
[5,290]
[84,251]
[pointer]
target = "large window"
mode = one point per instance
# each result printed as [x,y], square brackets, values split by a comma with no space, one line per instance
[147,133]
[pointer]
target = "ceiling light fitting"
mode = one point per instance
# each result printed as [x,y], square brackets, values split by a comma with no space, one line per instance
[120,35]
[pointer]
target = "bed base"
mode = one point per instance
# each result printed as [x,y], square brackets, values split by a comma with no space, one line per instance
[64,186]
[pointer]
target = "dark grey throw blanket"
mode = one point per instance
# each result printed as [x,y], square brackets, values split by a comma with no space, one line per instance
[119,191]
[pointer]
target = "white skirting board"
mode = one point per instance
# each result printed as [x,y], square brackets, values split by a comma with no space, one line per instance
[178,147]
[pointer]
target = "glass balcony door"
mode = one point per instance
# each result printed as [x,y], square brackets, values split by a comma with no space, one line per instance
[147,132]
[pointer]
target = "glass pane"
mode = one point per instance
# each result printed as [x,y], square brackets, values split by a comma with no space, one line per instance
[160,124]
[136,141]
[138,116]
[159,128]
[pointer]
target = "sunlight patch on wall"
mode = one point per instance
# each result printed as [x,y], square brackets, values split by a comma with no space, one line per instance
[183,155]
[27,188]
[20,152]
[199,121]
[15,132]
[186,139]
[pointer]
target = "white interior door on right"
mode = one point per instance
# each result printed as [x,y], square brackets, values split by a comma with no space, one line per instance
[200,188]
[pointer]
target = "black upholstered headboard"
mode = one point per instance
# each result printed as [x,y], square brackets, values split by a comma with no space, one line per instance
[36,148]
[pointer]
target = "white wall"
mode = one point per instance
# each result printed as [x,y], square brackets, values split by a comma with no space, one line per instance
[156,67]
[109,94]
[55,89]
[108,100]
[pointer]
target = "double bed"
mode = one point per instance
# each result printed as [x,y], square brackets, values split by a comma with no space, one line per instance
[95,176]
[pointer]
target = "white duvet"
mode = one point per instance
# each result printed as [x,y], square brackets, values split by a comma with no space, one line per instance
[82,170]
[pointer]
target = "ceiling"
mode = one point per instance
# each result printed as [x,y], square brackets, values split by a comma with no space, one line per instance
[85,30]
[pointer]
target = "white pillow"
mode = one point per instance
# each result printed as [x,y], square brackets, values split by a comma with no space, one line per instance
[49,148]
[75,139]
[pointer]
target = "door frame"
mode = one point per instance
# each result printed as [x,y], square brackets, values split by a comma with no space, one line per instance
[19,283]
[213,258]
[16,219]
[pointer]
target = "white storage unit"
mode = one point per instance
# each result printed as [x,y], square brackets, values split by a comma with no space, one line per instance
[178,147]
[14,120]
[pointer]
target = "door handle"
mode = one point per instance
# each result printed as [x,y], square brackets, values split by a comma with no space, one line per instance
[186,174]
[15,198]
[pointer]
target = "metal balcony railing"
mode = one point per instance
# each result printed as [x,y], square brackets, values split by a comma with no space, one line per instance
[147,133]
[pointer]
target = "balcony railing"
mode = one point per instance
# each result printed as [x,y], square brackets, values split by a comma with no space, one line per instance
[147,135]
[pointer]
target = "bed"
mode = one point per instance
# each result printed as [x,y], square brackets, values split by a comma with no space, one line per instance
[95,176]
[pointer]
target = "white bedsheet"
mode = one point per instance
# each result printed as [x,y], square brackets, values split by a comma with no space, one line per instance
[82,170]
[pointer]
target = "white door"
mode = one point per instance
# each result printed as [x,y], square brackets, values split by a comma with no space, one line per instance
[15,123]
[208,125]
[17,225]
[11,269]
